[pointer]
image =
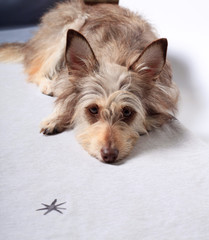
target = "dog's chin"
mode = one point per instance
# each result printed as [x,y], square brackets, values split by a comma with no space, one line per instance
[117,161]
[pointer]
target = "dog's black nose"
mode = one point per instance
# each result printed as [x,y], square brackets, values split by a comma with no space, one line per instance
[109,155]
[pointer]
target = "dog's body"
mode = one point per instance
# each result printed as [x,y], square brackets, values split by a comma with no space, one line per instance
[111,78]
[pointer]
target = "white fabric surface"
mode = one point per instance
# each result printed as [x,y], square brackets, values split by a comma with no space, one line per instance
[160,192]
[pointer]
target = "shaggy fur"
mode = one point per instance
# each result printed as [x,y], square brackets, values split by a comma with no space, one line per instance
[108,71]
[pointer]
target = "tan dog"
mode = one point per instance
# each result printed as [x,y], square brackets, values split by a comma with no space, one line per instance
[108,71]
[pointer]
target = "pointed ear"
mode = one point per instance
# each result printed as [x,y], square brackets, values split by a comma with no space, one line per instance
[152,60]
[79,55]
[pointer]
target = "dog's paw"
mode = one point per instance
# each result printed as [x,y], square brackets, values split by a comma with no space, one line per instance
[50,127]
[49,131]
[46,87]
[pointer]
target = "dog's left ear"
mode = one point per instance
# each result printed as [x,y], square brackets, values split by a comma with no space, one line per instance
[79,55]
[152,60]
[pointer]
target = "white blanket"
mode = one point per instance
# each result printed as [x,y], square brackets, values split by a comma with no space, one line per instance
[160,192]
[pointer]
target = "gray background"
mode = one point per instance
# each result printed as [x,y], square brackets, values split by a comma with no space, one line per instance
[16,13]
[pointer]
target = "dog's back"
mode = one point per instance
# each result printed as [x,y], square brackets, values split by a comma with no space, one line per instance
[116,34]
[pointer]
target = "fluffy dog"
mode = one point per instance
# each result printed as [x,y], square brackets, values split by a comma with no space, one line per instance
[108,71]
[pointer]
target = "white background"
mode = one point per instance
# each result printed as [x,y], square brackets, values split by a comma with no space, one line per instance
[185,23]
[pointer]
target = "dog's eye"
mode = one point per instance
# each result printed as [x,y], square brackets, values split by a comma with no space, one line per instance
[94,109]
[127,112]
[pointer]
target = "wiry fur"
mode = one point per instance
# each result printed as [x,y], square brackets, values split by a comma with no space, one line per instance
[112,60]
[11,52]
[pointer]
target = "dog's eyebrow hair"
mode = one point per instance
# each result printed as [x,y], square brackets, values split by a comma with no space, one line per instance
[125,82]
[92,88]
[91,92]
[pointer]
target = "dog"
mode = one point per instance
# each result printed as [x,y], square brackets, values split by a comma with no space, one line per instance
[108,71]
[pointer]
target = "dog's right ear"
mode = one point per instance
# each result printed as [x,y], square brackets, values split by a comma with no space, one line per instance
[79,55]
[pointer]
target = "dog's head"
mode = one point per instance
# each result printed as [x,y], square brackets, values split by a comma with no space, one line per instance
[115,103]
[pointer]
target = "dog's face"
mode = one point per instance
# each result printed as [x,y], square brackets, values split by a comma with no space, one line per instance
[108,116]
[111,108]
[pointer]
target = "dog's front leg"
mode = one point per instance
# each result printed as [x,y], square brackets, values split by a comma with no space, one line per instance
[46,86]
[59,120]
[51,125]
